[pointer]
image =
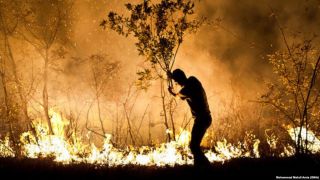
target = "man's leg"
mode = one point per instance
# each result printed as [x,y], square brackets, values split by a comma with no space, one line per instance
[197,134]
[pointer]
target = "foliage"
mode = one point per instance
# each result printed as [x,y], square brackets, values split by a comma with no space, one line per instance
[145,76]
[295,94]
[159,29]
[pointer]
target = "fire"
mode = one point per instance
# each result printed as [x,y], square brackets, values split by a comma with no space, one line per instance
[313,141]
[74,150]
[5,149]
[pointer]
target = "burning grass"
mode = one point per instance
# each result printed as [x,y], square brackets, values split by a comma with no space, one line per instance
[74,150]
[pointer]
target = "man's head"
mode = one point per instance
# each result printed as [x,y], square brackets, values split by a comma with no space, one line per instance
[179,76]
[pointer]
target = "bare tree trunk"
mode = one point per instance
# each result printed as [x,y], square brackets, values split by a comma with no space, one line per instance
[129,124]
[98,88]
[128,115]
[17,81]
[163,100]
[87,122]
[171,111]
[98,101]
[306,107]
[45,97]
[149,132]
[117,126]
[7,113]
[99,114]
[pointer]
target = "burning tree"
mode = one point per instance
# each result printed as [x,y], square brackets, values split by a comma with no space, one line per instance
[159,29]
[296,92]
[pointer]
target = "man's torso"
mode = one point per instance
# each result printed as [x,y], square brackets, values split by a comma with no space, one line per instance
[196,98]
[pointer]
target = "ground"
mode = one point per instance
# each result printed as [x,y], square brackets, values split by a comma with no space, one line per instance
[241,168]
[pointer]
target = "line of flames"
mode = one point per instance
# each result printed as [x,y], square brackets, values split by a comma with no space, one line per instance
[172,153]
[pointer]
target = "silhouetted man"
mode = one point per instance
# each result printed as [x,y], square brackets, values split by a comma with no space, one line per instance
[193,92]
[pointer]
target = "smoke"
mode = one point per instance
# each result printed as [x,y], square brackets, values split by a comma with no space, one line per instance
[229,60]
[232,58]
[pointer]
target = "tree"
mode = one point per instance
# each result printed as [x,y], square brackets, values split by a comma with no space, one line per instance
[159,29]
[46,26]
[296,92]
[102,72]
[10,19]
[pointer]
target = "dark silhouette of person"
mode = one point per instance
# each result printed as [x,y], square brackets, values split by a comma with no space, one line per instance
[193,92]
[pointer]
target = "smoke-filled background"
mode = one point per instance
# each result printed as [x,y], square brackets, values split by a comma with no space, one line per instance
[230,60]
